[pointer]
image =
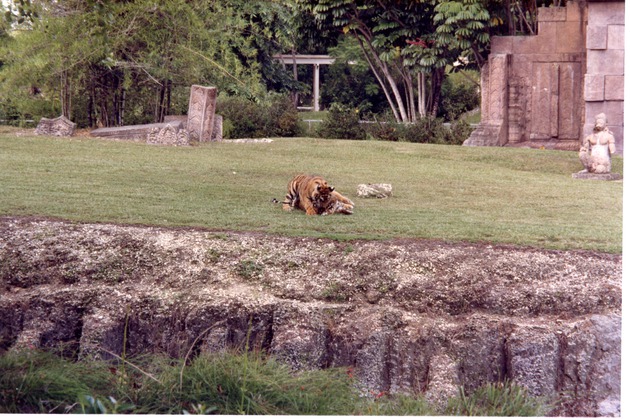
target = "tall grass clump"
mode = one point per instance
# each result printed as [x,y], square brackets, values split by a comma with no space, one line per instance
[227,383]
[249,383]
[503,399]
[41,382]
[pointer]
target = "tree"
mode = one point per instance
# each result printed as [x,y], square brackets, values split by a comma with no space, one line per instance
[106,62]
[382,29]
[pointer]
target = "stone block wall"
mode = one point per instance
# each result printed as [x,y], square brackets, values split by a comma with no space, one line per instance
[544,90]
[604,78]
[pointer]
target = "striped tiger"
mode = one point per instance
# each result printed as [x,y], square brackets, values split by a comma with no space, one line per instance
[313,195]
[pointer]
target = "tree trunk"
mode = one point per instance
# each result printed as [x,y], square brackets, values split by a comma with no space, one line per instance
[437,77]
[380,80]
[409,90]
[376,62]
[422,104]
[66,101]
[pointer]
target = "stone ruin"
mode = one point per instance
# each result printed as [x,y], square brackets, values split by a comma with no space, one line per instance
[545,90]
[60,126]
[201,107]
[171,134]
[200,125]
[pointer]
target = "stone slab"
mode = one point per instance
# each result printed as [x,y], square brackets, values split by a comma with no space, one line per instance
[576,12]
[502,44]
[201,108]
[616,37]
[606,13]
[552,14]
[569,37]
[614,88]
[594,87]
[130,132]
[597,177]
[605,62]
[171,135]
[374,190]
[217,130]
[597,37]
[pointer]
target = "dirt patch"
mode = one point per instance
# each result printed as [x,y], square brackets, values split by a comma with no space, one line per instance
[409,315]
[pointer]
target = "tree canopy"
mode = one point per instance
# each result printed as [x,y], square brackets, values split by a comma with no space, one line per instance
[109,62]
[113,62]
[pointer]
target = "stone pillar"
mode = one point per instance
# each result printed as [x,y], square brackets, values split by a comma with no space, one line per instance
[493,129]
[315,87]
[201,108]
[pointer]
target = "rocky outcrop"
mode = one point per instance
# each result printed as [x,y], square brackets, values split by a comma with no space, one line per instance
[403,315]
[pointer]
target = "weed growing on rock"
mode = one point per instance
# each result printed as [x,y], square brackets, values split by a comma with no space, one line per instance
[250,270]
[213,255]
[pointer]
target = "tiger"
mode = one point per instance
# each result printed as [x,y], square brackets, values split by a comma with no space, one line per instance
[337,203]
[312,194]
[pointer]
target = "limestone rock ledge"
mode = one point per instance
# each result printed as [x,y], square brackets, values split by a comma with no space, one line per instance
[406,315]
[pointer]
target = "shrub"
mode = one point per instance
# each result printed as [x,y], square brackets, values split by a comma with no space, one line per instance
[283,119]
[425,130]
[342,122]
[459,95]
[243,118]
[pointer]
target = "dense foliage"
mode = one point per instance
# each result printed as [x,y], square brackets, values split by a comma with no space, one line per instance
[342,122]
[115,62]
[426,130]
[243,118]
[111,62]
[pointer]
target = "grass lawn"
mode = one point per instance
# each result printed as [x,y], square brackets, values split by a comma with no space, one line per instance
[503,195]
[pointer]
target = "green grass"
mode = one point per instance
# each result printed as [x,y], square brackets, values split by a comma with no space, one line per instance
[313,115]
[225,383]
[499,195]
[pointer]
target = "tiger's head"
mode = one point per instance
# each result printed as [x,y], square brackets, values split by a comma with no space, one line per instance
[320,195]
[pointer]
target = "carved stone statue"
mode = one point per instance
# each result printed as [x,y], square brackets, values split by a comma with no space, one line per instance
[597,148]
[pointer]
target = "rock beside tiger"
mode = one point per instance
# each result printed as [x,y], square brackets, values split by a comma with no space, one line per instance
[374,190]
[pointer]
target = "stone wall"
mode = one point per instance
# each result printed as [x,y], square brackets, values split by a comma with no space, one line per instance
[544,90]
[604,78]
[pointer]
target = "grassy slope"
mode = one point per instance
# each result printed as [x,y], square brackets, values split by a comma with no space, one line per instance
[507,195]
